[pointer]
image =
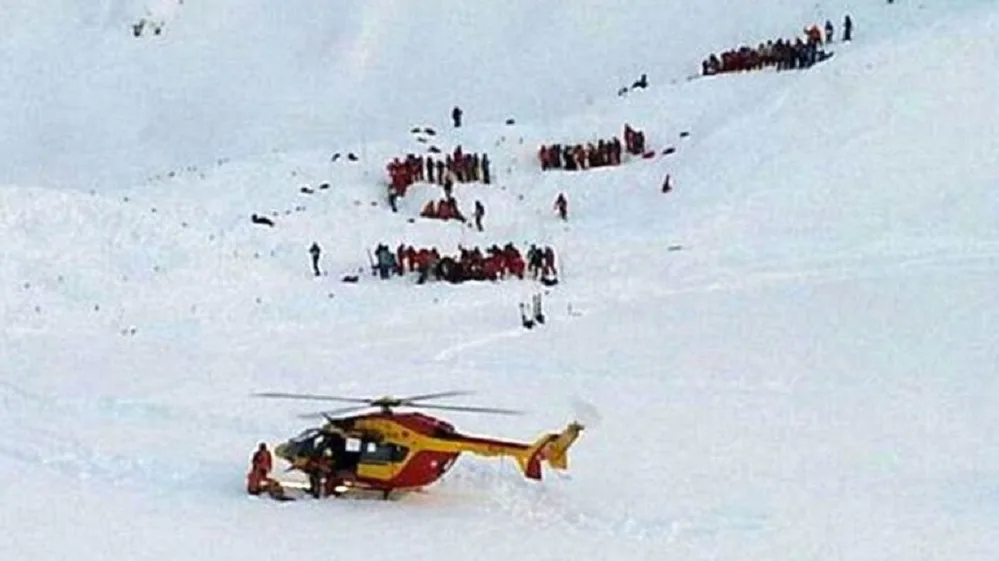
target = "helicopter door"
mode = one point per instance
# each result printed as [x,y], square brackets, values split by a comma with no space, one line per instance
[352,449]
[381,461]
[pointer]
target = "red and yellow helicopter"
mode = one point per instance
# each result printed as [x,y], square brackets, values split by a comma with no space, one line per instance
[392,453]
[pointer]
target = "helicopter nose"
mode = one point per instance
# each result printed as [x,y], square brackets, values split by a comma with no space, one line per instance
[284,450]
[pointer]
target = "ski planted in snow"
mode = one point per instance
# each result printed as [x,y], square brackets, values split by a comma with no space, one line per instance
[539,314]
[526,321]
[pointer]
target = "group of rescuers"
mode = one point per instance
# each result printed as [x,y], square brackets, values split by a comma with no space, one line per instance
[260,482]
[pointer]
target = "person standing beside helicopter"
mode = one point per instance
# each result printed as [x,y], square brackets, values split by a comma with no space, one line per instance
[258,480]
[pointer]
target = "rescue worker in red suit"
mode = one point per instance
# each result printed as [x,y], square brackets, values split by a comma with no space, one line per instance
[513,260]
[258,480]
[562,206]
[429,210]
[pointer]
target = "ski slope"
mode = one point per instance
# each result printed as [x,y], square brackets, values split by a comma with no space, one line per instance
[806,375]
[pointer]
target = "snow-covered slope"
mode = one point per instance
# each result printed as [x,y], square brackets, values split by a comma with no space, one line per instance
[84,102]
[808,377]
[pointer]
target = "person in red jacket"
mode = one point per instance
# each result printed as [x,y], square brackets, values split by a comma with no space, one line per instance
[814,35]
[429,210]
[492,267]
[258,480]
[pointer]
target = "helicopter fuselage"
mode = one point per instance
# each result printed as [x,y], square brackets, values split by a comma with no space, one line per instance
[390,451]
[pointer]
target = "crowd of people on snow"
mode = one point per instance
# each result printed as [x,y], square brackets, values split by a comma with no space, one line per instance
[468,264]
[782,54]
[592,155]
[495,262]
[457,166]
[580,156]
[443,209]
[447,209]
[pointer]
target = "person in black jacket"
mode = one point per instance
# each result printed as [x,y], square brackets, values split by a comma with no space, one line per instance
[480,211]
[315,251]
[485,169]
[262,220]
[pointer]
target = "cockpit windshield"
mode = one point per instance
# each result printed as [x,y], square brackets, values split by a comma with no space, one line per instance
[315,443]
[305,435]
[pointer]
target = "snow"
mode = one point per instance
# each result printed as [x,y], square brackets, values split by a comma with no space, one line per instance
[807,375]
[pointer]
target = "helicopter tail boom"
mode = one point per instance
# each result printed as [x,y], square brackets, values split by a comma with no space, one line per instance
[552,448]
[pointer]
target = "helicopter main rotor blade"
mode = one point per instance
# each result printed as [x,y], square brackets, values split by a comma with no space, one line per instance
[330,413]
[495,410]
[438,395]
[312,397]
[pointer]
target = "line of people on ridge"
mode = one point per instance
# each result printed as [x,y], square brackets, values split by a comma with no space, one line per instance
[469,264]
[784,54]
[457,166]
[579,156]
[590,155]
[634,141]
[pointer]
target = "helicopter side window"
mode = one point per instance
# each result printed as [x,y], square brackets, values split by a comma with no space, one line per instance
[375,453]
[400,453]
[328,445]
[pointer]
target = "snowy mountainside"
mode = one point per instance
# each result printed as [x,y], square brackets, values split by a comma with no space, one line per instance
[86,103]
[809,376]
[868,115]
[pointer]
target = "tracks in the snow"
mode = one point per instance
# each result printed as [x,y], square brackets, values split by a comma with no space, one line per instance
[500,488]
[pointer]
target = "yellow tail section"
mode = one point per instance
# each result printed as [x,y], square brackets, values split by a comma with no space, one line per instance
[558,449]
[551,448]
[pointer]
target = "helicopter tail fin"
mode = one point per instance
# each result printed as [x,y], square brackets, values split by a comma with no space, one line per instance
[558,449]
[551,448]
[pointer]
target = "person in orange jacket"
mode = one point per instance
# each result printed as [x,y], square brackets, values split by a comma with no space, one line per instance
[258,480]
[814,35]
